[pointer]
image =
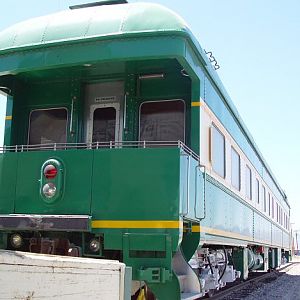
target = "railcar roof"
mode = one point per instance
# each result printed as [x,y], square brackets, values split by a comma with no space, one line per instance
[110,21]
[91,22]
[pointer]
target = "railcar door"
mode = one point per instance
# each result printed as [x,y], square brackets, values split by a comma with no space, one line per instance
[103,125]
[103,112]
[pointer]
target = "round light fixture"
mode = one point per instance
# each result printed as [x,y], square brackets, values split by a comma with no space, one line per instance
[16,240]
[49,190]
[50,171]
[94,245]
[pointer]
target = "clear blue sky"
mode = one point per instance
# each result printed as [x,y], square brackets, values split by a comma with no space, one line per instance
[257,44]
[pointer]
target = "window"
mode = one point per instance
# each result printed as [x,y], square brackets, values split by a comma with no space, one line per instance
[48,126]
[284,220]
[257,191]
[235,169]
[218,151]
[272,207]
[269,204]
[104,124]
[277,212]
[248,183]
[264,198]
[162,121]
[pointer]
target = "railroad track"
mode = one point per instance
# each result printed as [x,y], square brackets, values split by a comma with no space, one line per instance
[244,289]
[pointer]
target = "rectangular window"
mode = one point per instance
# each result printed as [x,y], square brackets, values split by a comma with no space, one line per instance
[272,208]
[48,126]
[248,183]
[257,191]
[269,204]
[162,121]
[218,151]
[284,220]
[279,215]
[264,198]
[235,169]
[277,212]
[104,124]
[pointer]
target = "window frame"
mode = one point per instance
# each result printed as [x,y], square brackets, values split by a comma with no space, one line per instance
[90,125]
[250,196]
[239,187]
[43,109]
[257,190]
[269,204]
[213,126]
[163,100]
[264,192]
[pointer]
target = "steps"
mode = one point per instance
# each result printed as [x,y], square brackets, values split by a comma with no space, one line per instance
[189,283]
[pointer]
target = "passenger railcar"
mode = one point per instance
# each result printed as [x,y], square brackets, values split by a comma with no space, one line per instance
[122,143]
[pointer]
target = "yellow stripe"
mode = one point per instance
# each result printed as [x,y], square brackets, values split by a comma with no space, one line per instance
[7,118]
[197,228]
[137,224]
[212,231]
[198,103]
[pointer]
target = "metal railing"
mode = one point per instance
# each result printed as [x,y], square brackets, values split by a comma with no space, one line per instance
[100,145]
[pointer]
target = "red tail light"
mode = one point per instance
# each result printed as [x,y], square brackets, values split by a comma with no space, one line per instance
[50,171]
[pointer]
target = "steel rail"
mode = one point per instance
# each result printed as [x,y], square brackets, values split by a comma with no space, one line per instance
[230,291]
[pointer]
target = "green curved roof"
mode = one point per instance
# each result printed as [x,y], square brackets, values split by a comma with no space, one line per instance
[92,22]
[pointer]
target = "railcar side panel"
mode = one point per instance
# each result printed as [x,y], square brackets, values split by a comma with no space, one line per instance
[262,229]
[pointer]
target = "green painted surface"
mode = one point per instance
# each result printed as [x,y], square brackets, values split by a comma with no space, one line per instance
[8,123]
[8,172]
[90,23]
[240,259]
[130,184]
[190,244]
[76,197]
[168,290]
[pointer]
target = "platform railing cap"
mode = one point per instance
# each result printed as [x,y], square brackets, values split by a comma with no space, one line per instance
[98,3]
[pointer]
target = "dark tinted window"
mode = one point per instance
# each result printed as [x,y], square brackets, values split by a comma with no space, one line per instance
[104,124]
[48,126]
[218,152]
[162,121]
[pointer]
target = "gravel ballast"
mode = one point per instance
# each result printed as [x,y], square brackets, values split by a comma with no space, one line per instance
[286,286]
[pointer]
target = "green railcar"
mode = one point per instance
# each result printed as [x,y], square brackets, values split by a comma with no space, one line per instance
[121,143]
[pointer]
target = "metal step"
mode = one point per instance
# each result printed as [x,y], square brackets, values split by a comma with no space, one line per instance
[188,280]
[190,296]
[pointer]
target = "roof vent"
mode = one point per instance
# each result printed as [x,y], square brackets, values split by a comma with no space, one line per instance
[98,3]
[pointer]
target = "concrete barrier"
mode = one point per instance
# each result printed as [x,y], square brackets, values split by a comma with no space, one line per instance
[29,276]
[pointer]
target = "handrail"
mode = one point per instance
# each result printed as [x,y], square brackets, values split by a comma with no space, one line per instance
[100,145]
